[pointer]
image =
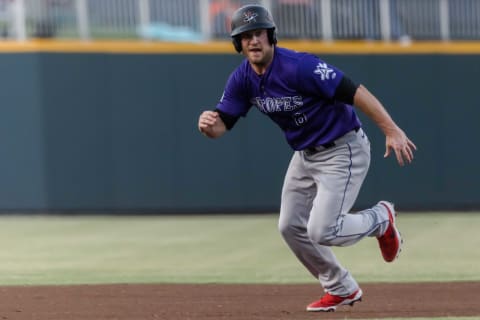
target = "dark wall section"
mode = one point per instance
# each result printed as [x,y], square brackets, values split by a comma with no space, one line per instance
[432,98]
[118,132]
[22,136]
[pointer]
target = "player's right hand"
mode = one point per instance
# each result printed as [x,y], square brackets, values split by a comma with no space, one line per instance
[207,120]
[210,124]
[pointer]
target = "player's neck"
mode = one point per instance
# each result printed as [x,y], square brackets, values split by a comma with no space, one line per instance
[259,69]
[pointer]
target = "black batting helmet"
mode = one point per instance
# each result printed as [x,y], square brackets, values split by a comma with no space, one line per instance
[252,17]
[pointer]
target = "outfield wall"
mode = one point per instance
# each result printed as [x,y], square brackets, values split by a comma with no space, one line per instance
[116,131]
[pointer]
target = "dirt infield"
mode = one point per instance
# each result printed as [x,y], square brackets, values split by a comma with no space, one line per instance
[237,302]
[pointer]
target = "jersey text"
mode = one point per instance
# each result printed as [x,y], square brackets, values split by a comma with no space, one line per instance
[277,104]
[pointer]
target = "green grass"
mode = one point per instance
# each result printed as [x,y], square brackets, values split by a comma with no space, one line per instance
[221,249]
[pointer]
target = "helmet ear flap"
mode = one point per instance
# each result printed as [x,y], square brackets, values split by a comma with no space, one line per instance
[272,36]
[237,43]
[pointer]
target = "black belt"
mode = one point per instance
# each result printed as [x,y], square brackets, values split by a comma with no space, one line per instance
[312,150]
[328,145]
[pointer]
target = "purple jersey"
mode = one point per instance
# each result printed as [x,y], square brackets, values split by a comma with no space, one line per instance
[296,92]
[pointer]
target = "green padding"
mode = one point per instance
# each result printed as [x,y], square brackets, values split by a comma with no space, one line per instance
[118,132]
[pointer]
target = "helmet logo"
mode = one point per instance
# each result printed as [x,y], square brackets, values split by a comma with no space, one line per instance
[250,16]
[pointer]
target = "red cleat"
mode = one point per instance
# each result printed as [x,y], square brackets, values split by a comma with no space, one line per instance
[391,241]
[330,302]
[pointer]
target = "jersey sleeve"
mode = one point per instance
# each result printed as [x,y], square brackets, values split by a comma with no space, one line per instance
[317,77]
[234,100]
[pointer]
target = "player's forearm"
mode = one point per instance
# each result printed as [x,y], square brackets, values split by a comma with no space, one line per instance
[369,105]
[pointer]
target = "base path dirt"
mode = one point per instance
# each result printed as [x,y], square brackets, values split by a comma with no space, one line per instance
[245,302]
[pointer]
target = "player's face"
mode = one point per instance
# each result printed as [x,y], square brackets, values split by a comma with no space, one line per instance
[257,48]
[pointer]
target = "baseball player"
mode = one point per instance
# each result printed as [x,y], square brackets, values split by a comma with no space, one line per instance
[314,105]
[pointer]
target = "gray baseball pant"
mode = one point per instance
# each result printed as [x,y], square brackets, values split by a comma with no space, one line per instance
[319,190]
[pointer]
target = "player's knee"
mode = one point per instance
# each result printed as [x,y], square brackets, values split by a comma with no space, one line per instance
[284,228]
[287,229]
[319,235]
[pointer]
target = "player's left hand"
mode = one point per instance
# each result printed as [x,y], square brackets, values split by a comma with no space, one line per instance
[401,145]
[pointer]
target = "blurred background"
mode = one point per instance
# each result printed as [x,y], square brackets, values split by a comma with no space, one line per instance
[116,131]
[200,20]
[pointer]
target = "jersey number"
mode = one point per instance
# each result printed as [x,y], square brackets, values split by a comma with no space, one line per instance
[300,118]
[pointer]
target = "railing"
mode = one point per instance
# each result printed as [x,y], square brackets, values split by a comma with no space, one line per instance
[200,20]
